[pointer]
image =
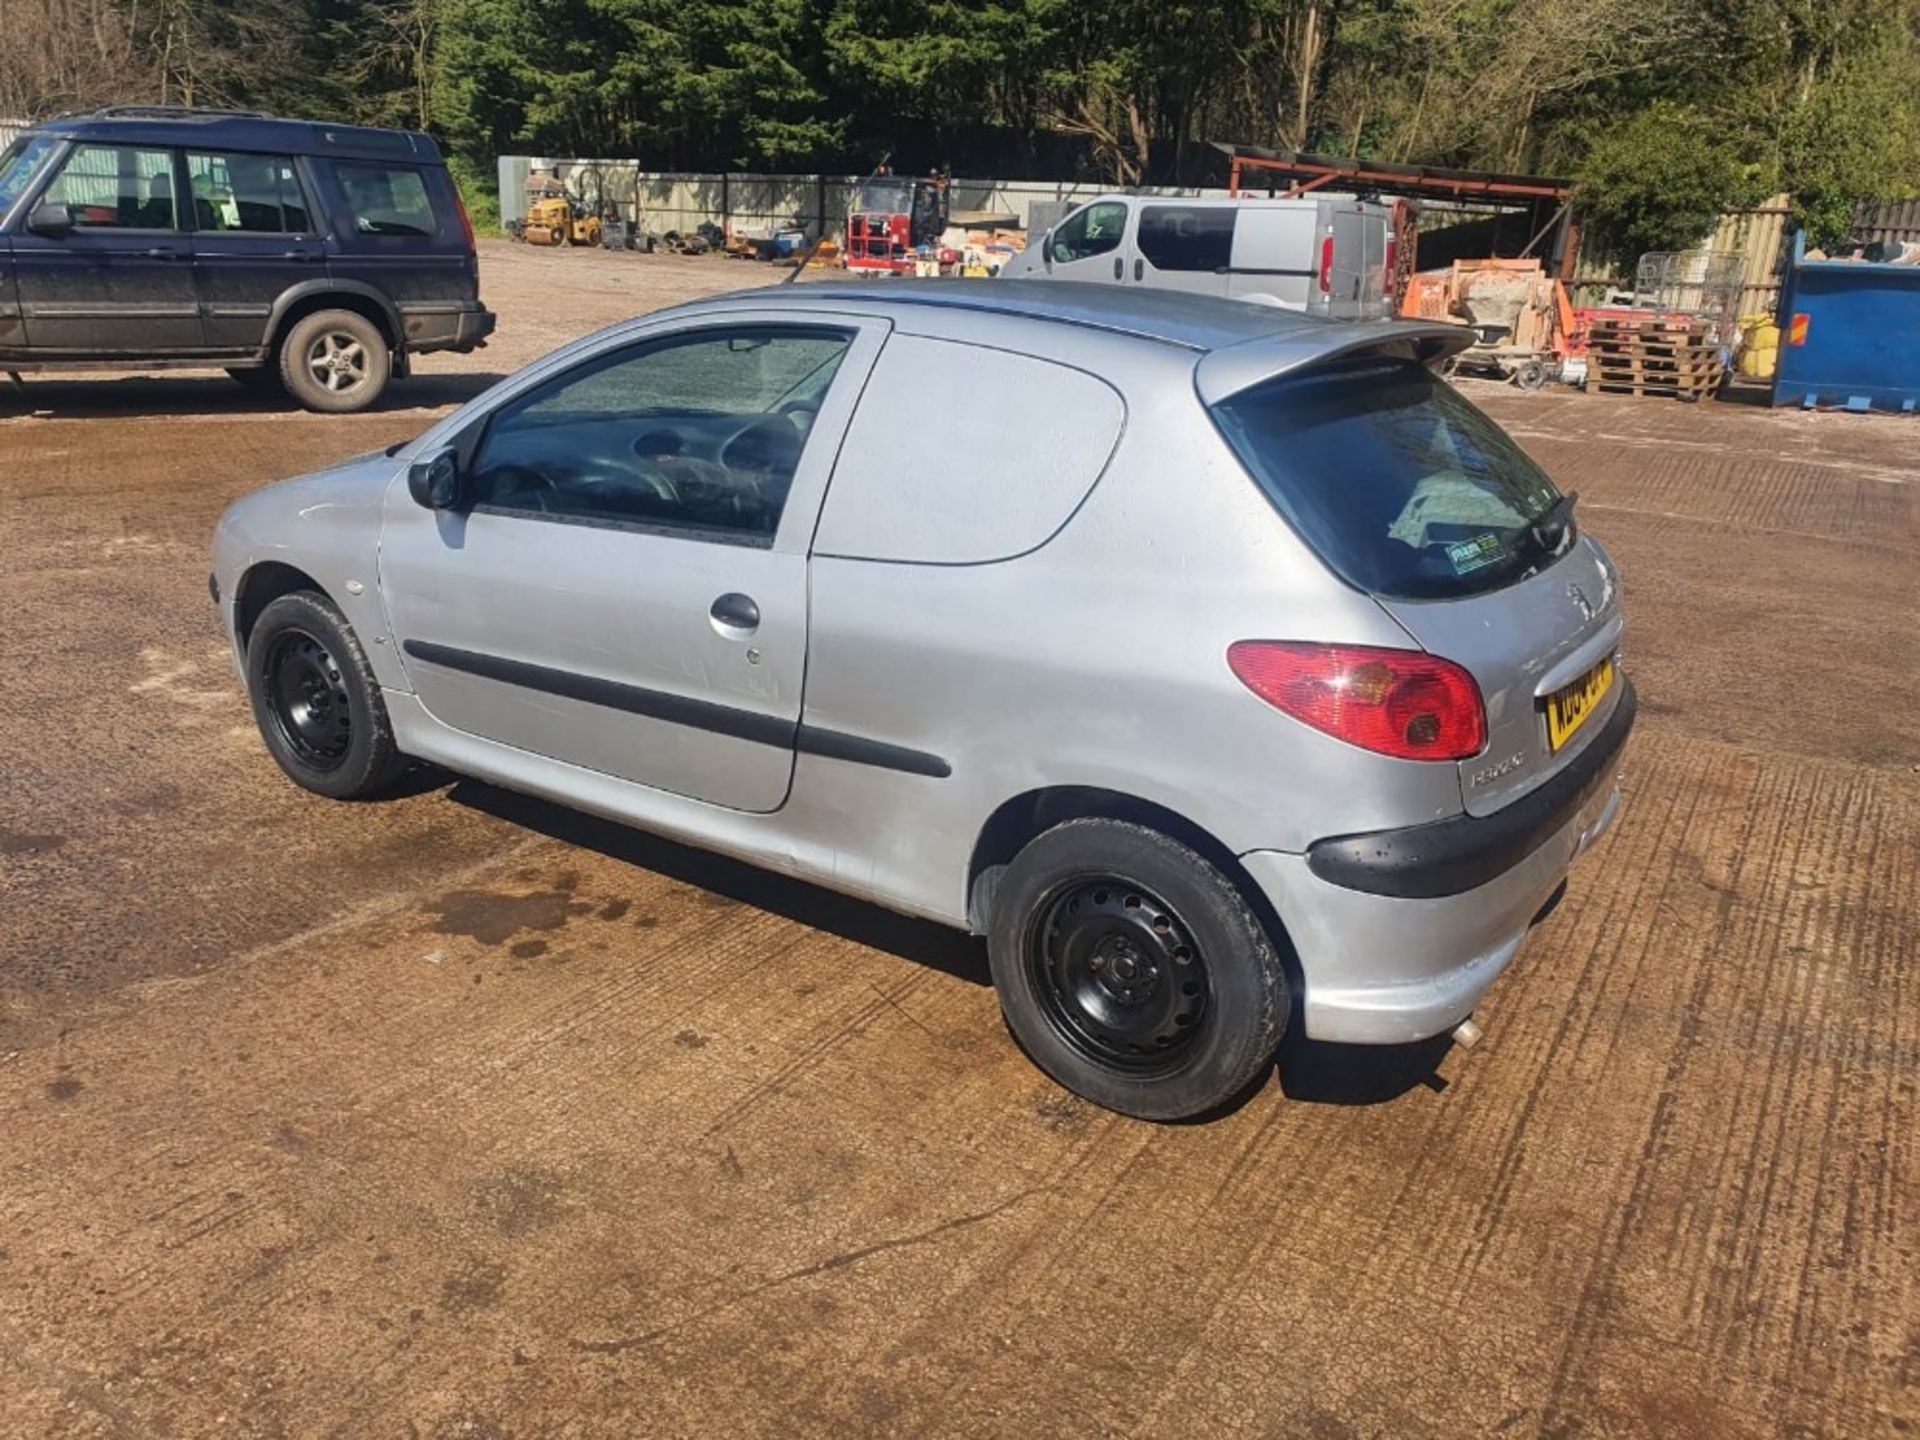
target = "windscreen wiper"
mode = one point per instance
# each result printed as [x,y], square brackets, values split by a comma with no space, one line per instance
[1550,529]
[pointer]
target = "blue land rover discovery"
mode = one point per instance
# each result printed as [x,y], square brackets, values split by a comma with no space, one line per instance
[301,256]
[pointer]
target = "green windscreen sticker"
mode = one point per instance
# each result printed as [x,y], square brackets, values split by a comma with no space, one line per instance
[1471,554]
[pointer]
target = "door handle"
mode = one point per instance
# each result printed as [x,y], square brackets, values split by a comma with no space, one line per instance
[160,252]
[305,256]
[734,615]
[1119,268]
[1139,269]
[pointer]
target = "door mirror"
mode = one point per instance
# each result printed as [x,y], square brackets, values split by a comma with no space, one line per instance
[436,482]
[53,221]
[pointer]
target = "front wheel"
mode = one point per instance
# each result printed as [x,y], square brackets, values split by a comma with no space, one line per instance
[316,700]
[1133,972]
[335,361]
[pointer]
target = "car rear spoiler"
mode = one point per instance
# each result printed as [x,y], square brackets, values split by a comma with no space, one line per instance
[1234,368]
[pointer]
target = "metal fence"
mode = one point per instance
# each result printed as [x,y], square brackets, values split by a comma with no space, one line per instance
[763,204]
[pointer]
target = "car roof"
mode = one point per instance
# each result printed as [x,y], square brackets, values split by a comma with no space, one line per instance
[1197,322]
[1240,343]
[238,130]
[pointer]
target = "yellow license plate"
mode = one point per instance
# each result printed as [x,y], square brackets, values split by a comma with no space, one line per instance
[1569,706]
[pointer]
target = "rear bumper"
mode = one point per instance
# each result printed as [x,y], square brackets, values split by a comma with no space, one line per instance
[437,327]
[1449,857]
[1440,910]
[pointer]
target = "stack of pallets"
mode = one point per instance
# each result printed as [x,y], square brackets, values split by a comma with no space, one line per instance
[1654,355]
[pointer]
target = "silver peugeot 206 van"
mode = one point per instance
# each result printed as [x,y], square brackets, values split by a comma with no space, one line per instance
[1223,667]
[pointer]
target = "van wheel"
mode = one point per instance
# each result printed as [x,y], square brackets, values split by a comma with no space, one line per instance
[335,361]
[1133,972]
[316,700]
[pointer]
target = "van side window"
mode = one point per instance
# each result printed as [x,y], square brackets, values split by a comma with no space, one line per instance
[1187,237]
[258,194]
[116,187]
[700,432]
[1089,232]
[387,199]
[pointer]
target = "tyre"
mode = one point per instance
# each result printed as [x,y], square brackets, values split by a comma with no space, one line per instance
[1133,972]
[335,361]
[262,381]
[316,700]
[1531,375]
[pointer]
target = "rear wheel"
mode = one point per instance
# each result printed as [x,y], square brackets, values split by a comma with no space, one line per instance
[1133,972]
[335,361]
[316,700]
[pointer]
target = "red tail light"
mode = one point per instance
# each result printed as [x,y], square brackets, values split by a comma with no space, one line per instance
[1403,703]
[466,222]
[1326,265]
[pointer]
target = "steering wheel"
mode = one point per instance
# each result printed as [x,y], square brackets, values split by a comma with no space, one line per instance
[509,484]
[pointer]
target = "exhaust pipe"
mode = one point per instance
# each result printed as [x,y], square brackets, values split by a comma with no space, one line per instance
[1467,1034]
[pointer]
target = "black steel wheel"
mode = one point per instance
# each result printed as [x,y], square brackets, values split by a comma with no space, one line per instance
[1119,974]
[1133,971]
[317,701]
[307,698]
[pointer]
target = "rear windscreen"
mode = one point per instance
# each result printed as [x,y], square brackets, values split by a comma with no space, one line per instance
[1404,488]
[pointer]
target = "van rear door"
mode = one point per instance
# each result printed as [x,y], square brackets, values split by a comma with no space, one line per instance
[1275,250]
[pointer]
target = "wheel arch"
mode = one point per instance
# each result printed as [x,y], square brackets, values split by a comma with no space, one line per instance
[1026,816]
[316,295]
[261,585]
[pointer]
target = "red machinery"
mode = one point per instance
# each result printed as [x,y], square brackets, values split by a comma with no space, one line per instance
[890,219]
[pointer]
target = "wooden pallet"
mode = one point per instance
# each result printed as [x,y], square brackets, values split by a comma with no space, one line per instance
[1655,356]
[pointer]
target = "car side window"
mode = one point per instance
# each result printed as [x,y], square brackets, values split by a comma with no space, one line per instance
[1090,232]
[108,187]
[254,194]
[1187,237]
[699,432]
[387,200]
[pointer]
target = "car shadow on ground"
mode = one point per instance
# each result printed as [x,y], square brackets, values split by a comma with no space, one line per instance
[1317,1072]
[920,941]
[97,397]
[1310,1071]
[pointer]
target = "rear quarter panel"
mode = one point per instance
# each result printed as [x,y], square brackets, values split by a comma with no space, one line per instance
[1097,660]
[420,275]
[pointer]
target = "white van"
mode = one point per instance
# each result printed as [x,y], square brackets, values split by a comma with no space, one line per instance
[1325,255]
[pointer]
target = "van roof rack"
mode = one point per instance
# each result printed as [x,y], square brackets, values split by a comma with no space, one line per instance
[173,112]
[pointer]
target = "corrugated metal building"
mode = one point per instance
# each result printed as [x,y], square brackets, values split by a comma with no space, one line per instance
[1887,220]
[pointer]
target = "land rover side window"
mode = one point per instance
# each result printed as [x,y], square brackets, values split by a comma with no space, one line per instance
[1403,487]
[699,433]
[107,187]
[1186,237]
[387,199]
[19,162]
[1089,232]
[255,194]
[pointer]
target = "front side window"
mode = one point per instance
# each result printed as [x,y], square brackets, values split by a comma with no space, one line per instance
[1402,486]
[1187,237]
[1090,232]
[19,163]
[700,433]
[116,186]
[387,200]
[255,194]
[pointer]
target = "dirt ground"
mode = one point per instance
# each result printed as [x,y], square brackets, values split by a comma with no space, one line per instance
[461,1115]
